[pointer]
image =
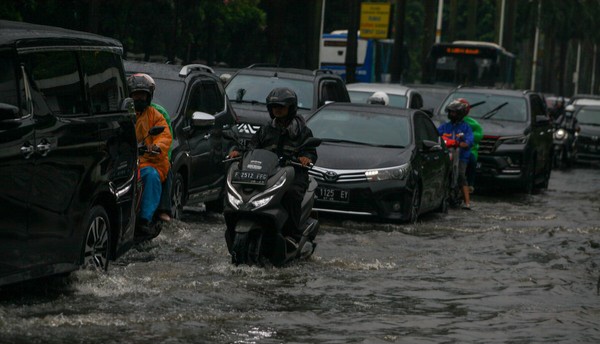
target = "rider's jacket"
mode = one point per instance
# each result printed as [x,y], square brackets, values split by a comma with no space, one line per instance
[477,134]
[284,138]
[461,132]
[144,121]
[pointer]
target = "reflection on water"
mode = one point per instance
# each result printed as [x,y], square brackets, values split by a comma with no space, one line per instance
[516,269]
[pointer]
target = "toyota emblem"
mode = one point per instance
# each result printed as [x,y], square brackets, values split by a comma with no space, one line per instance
[331,176]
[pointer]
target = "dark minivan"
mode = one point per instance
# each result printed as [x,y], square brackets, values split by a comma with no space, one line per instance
[68,158]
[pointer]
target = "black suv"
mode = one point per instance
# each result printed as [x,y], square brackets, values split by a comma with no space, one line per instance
[248,89]
[516,149]
[195,99]
[68,157]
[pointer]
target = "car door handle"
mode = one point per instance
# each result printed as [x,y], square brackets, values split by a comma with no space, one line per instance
[27,150]
[44,147]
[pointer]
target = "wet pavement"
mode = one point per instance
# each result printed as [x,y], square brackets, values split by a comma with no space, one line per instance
[516,269]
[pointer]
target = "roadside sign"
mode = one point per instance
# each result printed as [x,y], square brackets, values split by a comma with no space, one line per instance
[374,19]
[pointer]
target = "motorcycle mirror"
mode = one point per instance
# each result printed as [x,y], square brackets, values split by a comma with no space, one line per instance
[311,142]
[156,130]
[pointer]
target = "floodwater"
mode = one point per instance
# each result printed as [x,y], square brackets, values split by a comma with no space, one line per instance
[516,269]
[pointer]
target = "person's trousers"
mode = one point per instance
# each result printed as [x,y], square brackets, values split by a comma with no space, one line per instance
[164,206]
[151,193]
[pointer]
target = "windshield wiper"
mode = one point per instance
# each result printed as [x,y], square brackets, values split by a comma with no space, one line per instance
[493,111]
[253,102]
[361,143]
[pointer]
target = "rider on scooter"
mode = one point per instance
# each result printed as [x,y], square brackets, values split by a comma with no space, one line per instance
[155,164]
[283,135]
[457,129]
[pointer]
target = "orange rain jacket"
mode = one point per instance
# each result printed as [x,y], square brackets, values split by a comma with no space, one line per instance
[148,119]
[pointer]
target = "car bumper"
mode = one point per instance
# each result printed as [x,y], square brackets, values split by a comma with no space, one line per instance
[588,152]
[506,170]
[389,199]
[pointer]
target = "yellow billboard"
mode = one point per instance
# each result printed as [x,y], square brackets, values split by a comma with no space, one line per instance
[374,19]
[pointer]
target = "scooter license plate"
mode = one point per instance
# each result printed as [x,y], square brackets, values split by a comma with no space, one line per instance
[333,195]
[249,177]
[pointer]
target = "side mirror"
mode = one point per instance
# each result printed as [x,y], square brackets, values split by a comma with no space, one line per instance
[311,142]
[156,130]
[431,146]
[8,112]
[570,108]
[202,119]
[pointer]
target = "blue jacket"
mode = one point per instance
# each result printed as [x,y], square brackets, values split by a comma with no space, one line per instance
[455,130]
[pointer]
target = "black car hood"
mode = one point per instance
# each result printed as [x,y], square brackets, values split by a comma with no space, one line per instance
[589,130]
[357,157]
[502,128]
[255,113]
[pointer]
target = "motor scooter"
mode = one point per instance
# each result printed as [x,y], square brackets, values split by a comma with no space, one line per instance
[254,215]
[565,135]
[455,196]
[154,227]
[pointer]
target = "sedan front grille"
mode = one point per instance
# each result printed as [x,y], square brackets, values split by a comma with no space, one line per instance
[337,176]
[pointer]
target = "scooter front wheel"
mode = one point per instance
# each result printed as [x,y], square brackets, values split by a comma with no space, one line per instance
[239,253]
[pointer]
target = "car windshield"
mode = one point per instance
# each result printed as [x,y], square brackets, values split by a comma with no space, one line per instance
[255,88]
[589,116]
[168,94]
[362,96]
[432,98]
[496,107]
[361,126]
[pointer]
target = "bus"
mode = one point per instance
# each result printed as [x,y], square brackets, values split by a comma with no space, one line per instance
[471,63]
[372,56]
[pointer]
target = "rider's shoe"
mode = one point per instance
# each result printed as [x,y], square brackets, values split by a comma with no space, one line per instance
[466,206]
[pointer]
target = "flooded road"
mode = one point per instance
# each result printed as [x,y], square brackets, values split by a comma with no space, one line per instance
[517,269]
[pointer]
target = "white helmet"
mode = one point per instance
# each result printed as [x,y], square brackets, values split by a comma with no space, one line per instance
[379,97]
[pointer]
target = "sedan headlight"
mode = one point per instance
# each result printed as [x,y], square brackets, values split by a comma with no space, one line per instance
[514,140]
[560,134]
[397,172]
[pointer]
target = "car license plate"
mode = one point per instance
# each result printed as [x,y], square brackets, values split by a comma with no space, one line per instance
[333,195]
[249,177]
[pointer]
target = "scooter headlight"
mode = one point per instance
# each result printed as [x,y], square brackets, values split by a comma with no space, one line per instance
[233,200]
[560,134]
[261,202]
[265,197]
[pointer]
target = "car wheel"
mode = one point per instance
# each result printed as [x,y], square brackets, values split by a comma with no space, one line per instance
[415,204]
[97,244]
[177,196]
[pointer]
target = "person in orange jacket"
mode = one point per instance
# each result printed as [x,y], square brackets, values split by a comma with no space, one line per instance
[154,164]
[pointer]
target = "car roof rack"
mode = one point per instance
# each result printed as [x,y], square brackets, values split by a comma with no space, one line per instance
[187,69]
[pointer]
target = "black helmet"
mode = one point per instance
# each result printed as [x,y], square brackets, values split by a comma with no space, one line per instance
[285,97]
[460,107]
[141,82]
